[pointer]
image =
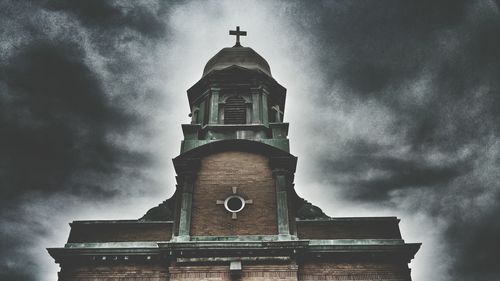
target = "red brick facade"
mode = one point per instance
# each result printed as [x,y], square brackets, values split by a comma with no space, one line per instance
[361,271]
[222,273]
[84,232]
[350,228]
[251,174]
[114,273]
[253,177]
[309,271]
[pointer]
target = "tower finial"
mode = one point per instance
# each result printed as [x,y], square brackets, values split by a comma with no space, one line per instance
[238,33]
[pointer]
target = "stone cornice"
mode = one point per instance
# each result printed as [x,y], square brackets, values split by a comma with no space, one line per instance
[340,248]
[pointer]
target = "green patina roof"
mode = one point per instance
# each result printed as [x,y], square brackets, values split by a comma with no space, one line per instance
[308,211]
[241,56]
[163,212]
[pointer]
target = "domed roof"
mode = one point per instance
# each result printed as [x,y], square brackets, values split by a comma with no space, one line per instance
[241,56]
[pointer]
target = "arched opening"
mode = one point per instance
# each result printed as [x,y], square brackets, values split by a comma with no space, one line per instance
[235,111]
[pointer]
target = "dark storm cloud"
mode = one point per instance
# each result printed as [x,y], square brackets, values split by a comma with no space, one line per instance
[475,258]
[391,173]
[445,129]
[70,79]
[106,15]
[393,30]
[55,119]
[63,103]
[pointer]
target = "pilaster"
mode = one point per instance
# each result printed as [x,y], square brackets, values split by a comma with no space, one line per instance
[264,106]
[280,180]
[214,106]
[283,169]
[256,106]
[186,204]
[186,178]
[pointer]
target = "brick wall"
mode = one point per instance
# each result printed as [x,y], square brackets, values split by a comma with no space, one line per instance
[252,175]
[306,271]
[116,231]
[361,228]
[114,273]
[367,271]
[222,273]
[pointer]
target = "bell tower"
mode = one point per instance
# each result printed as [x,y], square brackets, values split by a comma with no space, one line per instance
[236,98]
[240,176]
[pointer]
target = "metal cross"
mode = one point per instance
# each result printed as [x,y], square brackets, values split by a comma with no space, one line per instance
[279,113]
[238,33]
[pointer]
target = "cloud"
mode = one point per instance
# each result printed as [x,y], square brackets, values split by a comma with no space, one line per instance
[78,98]
[55,119]
[393,107]
[409,109]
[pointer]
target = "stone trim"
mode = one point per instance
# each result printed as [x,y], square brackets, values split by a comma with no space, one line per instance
[108,245]
[356,242]
[239,238]
[222,272]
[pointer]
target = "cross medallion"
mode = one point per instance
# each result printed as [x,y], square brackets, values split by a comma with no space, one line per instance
[234,203]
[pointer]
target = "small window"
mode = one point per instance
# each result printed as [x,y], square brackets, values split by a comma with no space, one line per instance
[235,111]
[234,203]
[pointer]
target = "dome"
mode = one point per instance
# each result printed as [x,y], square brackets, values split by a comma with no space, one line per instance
[240,56]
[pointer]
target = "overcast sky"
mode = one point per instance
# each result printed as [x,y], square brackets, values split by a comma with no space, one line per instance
[394,109]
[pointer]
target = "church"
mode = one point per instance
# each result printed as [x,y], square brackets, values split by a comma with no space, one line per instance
[235,214]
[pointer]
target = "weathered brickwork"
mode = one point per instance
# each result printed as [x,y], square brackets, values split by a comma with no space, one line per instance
[370,228]
[115,231]
[307,271]
[114,273]
[222,273]
[330,270]
[185,273]
[253,177]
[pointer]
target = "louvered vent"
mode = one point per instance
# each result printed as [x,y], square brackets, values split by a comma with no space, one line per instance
[235,111]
